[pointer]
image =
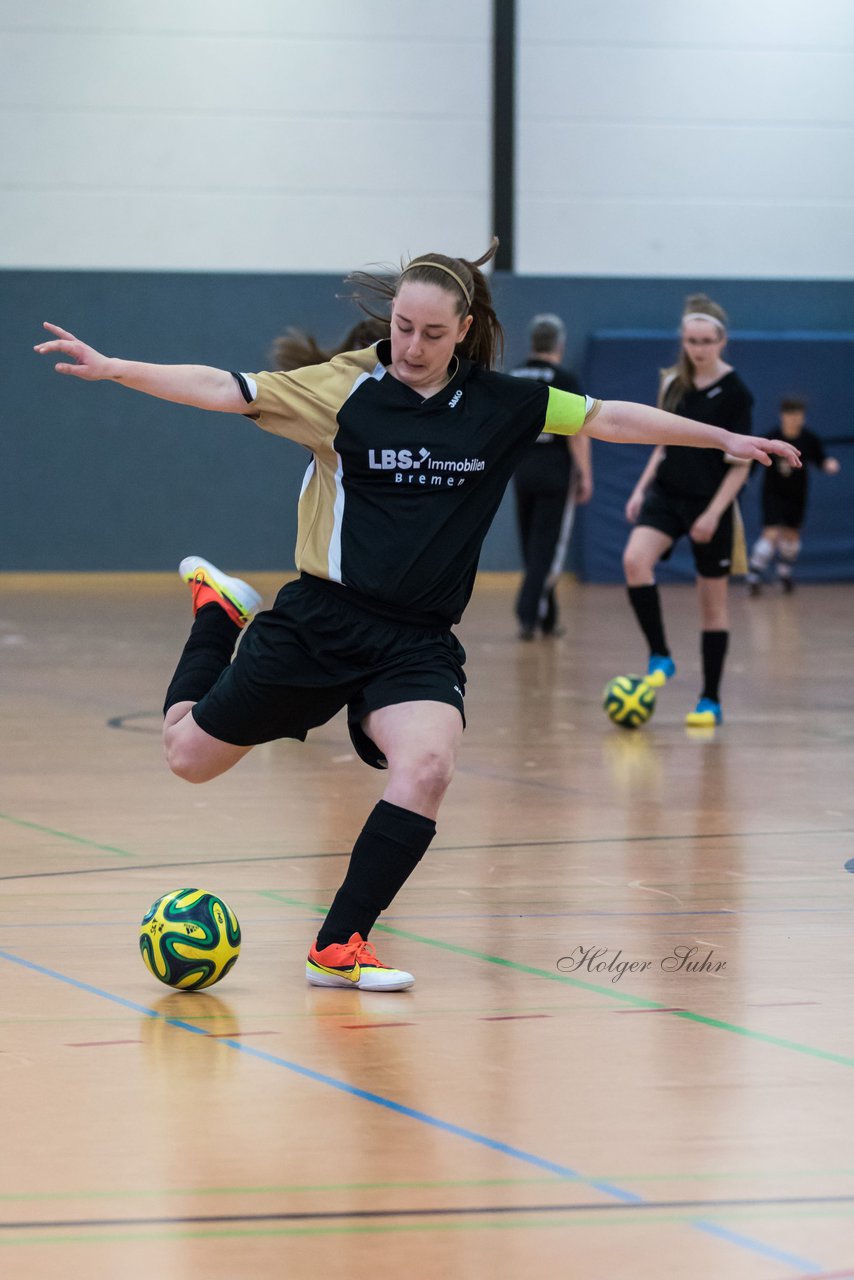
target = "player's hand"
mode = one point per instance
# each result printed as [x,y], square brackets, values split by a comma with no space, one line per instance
[704,528]
[583,488]
[633,507]
[90,364]
[755,449]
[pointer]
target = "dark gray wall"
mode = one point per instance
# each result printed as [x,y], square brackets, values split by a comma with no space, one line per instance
[97,478]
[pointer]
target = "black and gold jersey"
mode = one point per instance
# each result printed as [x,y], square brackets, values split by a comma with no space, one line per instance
[401,491]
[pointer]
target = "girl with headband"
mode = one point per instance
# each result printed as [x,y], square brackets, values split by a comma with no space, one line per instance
[413,443]
[692,492]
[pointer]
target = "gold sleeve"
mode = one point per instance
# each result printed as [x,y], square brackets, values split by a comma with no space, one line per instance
[303,404]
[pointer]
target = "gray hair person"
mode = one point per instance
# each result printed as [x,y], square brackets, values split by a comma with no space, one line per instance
[547,334]
[550,481]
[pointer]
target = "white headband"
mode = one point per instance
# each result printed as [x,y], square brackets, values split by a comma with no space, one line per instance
[438,266]
[701,315]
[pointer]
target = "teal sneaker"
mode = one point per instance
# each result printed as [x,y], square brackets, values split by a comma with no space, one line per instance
[705,715]
[660,669]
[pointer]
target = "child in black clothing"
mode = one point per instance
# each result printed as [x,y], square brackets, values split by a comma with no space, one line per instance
[784,497]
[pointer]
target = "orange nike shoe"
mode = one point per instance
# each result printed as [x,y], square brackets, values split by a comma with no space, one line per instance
[211,586]
[353,964]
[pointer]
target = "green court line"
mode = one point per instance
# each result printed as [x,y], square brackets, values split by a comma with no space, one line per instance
[623,997]
[523,1221]
[581,842]
[66,835]
[555,1180]
[142,1193]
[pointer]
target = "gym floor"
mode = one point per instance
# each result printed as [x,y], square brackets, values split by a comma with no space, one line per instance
[629,1051]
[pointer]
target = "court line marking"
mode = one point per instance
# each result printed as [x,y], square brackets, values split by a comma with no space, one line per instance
[459,848]
[524,1222]
[445,1126]
[65,835]
[624,997]
[402,1184]
[447,1211]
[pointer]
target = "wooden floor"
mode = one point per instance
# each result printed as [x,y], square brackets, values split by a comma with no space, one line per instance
[516,1114]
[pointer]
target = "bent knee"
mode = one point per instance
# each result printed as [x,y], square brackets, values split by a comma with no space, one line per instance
[637,565]
[430,775]
[185,765]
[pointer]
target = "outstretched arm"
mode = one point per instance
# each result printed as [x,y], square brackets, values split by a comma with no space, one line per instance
[195,384]
[621,422]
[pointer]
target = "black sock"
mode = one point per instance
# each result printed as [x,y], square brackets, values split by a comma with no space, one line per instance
[647,606]
[391,844]
[206,654]
[714,646]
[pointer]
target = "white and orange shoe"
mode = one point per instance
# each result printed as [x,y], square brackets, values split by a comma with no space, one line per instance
[353,964]
[211,586]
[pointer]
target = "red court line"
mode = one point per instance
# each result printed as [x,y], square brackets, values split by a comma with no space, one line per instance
[233,1035]
[648,1011]
[372,1026]
[513,1017]
[96,1044]
[829,1275]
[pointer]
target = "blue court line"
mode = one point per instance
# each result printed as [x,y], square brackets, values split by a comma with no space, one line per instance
[445,1126]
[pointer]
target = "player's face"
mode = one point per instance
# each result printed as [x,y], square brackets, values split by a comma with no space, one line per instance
[703,343]
[425,329]
[792,422]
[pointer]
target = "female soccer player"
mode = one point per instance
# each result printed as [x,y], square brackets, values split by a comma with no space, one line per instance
[414,442]
[691,492]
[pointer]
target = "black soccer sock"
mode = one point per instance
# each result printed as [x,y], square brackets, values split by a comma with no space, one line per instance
[714,646]
[391,844]
[646,603]
[206,654]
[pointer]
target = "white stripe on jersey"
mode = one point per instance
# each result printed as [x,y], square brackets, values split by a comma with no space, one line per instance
[334,554]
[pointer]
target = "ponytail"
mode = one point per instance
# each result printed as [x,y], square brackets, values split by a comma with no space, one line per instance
[295,349]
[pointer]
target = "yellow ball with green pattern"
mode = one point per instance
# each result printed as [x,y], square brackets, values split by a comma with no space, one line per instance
[189,939]
[629,701]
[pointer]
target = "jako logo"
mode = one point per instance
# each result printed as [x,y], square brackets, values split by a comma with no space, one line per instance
[396,459]
[455,398]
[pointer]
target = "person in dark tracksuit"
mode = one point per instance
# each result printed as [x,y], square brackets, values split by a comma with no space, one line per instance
[553,477]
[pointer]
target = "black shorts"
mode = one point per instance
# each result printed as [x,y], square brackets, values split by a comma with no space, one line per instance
[313,653]
[782,510]
[672,514]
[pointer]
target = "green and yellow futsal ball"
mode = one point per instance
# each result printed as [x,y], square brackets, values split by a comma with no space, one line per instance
[189,939]
[629,701]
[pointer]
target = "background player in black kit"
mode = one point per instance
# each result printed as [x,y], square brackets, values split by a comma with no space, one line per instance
[691,492]
[413,444]
[784,497]
[549,481]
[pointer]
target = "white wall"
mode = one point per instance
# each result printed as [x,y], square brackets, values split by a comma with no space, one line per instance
[665,138]
[260,135]
[656,137]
